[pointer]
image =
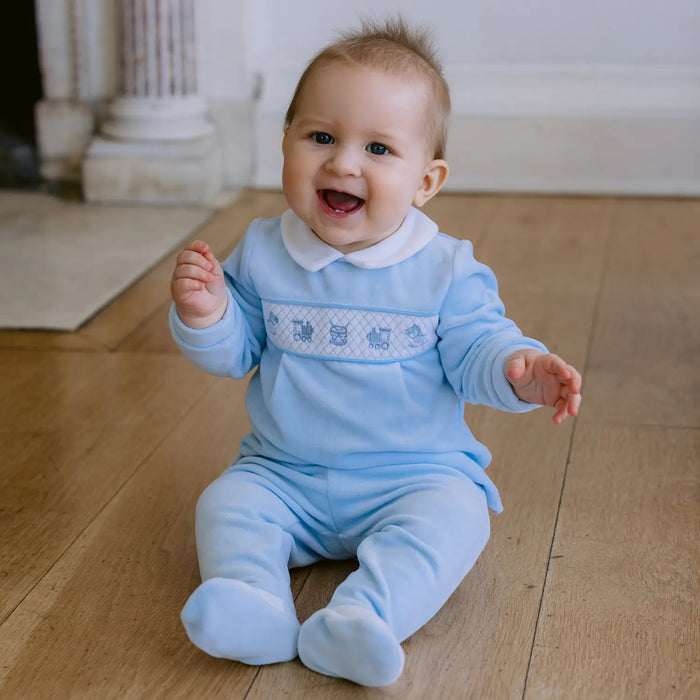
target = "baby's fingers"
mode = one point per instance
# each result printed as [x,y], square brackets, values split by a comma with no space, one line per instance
[183,286]
[198,247]
[567,405]
[191,274]
[194,272]
[515,366]
[570,377]
[211,260]
[561,412]
[192,257]
[565,373]
[199,253]
[573,404]
[181,289]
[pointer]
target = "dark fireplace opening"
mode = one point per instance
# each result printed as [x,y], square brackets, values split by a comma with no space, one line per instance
[20,87]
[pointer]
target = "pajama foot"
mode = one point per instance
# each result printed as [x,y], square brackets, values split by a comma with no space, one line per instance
[349,641]
[230,619]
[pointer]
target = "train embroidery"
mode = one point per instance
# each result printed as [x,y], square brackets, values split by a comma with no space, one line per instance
[377,338]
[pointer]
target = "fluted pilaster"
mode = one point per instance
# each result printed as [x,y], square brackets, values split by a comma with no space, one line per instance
[160,100]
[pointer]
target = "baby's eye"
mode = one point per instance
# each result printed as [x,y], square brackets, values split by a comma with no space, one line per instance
[377,149]
[322,137]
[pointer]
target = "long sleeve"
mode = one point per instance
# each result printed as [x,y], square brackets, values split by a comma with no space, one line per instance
[475,337]
[231,347]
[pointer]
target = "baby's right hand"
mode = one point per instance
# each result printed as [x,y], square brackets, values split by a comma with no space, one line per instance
[197,286]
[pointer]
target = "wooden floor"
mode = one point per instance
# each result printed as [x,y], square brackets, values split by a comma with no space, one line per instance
[589,587]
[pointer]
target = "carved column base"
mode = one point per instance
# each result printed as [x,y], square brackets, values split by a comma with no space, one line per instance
[174,172]
[157,119]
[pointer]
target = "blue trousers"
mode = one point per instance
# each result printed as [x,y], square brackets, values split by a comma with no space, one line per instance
[416,531]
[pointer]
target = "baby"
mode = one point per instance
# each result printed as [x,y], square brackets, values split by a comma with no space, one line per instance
[369,330]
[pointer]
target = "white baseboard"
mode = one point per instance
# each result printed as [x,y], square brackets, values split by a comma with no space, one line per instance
[604,130]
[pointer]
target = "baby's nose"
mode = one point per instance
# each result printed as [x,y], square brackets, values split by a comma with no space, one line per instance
[344,162]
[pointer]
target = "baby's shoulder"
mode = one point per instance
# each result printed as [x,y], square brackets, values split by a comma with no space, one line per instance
[448,251]
[261,237]
[456,258]
[265,231]
[453,244]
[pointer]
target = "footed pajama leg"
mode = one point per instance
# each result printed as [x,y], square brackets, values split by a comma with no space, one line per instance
[419,545]
[243,609]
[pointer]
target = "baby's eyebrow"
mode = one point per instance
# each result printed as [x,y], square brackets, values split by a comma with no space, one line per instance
[317,124]
[375,136]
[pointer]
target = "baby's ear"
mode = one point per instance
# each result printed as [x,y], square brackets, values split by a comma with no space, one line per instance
[434,178]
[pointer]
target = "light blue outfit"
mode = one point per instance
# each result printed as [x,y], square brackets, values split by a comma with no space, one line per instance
[358,446]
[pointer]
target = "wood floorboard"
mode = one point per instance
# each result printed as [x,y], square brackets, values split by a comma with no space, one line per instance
[47,340]
[76,428]
[106,615]
[109,437]
[621,609]
[643,366]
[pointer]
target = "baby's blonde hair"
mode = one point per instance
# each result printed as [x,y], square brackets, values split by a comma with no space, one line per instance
[400,50]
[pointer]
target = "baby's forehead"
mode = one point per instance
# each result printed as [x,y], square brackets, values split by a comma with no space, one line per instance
[398,81]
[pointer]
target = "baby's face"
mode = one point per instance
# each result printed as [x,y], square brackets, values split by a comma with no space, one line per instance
[356,154]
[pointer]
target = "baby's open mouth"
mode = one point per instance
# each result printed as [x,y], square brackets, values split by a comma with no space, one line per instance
[340,202]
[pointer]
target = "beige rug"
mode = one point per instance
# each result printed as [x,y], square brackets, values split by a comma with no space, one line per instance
[61,261]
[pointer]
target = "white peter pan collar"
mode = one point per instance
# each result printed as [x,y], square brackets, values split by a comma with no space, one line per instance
[313,254]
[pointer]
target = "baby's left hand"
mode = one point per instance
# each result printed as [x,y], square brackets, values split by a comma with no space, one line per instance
[542,378]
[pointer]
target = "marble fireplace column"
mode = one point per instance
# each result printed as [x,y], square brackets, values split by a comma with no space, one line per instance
[76,56]
[156,144]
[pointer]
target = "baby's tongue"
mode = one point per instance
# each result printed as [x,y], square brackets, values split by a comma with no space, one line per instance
[341,201]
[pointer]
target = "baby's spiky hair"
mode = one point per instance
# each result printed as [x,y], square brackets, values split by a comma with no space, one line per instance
[400,50]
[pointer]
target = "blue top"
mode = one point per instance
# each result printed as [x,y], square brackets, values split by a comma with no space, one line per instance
[364,359]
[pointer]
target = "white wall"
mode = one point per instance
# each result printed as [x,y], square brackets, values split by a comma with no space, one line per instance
[555,95]
[507,31]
